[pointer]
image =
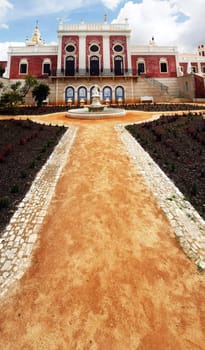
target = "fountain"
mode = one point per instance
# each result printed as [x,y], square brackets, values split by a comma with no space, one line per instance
[95,109]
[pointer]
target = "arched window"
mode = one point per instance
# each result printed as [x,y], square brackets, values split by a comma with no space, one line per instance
[163,65]
[46,67]
[119,94]
[118,65]
[23,67]
[70,66]
[70,94]
[82,94]
[94,65]
[140,66]
[107,94]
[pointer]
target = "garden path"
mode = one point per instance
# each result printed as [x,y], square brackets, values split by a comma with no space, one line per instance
[107,272]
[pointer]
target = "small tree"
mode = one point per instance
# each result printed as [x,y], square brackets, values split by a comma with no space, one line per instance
[40,93]
[12,96]
[29,82]
[15,93]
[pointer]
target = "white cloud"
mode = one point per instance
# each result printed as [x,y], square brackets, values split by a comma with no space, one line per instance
[4,48]
[5,7]
[171,22]
[111,4]
[4,26]
[39,7]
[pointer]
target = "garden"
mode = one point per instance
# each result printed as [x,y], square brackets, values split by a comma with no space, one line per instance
[24,148]
[177,144]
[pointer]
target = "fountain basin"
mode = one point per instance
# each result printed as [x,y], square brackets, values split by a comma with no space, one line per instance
[96,109]
[96,112]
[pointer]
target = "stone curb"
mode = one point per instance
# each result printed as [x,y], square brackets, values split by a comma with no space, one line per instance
[188,225]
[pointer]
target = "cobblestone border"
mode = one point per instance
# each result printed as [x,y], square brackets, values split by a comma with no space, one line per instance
[21,234]
[188,225]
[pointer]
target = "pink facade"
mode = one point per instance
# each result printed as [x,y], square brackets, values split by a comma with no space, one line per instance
[98,41]
[152,65]
[66,40]
[103,51]
[3,64]
[34,66]
[122,40]
[199,87]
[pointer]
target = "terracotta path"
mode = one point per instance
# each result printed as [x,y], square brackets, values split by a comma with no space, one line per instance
[107,272]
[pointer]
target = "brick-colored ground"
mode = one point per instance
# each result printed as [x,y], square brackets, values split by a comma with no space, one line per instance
[107,273]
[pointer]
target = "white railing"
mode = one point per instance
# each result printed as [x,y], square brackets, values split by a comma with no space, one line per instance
[94,27]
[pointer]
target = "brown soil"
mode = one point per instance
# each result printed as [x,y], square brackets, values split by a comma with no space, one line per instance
[177,144]
[24,148]
[107,273]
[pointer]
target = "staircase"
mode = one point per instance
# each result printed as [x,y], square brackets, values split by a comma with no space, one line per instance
[162,90]
[158,84]
[145,87]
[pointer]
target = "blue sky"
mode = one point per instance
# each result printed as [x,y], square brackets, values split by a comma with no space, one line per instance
[171,22]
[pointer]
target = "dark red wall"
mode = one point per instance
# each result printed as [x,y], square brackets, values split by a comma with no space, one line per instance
[152,63]
[121,39]
[89,40]
[67,39]
[3,64]
[199,87]
[34,66]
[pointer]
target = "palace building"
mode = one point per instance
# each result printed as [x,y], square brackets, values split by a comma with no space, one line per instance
[101,53]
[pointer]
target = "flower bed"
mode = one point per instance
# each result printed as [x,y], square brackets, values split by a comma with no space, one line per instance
[177,145]
[24,148]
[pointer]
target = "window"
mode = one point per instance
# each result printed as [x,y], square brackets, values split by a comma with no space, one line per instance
[94,65]
[47,68]
[140,66]
[163,65]
[118,48]
[82,94]
[70,48]
[194,69]
[107,94]
[23,68]
[69,94]
[70,66]
[94,48]
[118,65]
[119,94]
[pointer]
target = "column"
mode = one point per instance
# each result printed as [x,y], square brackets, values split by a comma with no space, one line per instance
[59,55]
[82,55]
[129,65]
[106,54]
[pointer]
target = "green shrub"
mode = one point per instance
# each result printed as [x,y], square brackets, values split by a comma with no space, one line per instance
[23,174]
[15,188]
[4,202]
[32,164]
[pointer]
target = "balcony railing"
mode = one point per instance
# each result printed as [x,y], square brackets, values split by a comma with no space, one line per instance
[87,73]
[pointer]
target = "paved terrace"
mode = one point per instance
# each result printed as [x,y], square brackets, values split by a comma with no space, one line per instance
[90,259]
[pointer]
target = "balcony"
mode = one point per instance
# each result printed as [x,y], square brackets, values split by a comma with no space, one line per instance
[83,73]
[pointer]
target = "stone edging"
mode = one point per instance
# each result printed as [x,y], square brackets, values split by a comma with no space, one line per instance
[21,234]
[188,225]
